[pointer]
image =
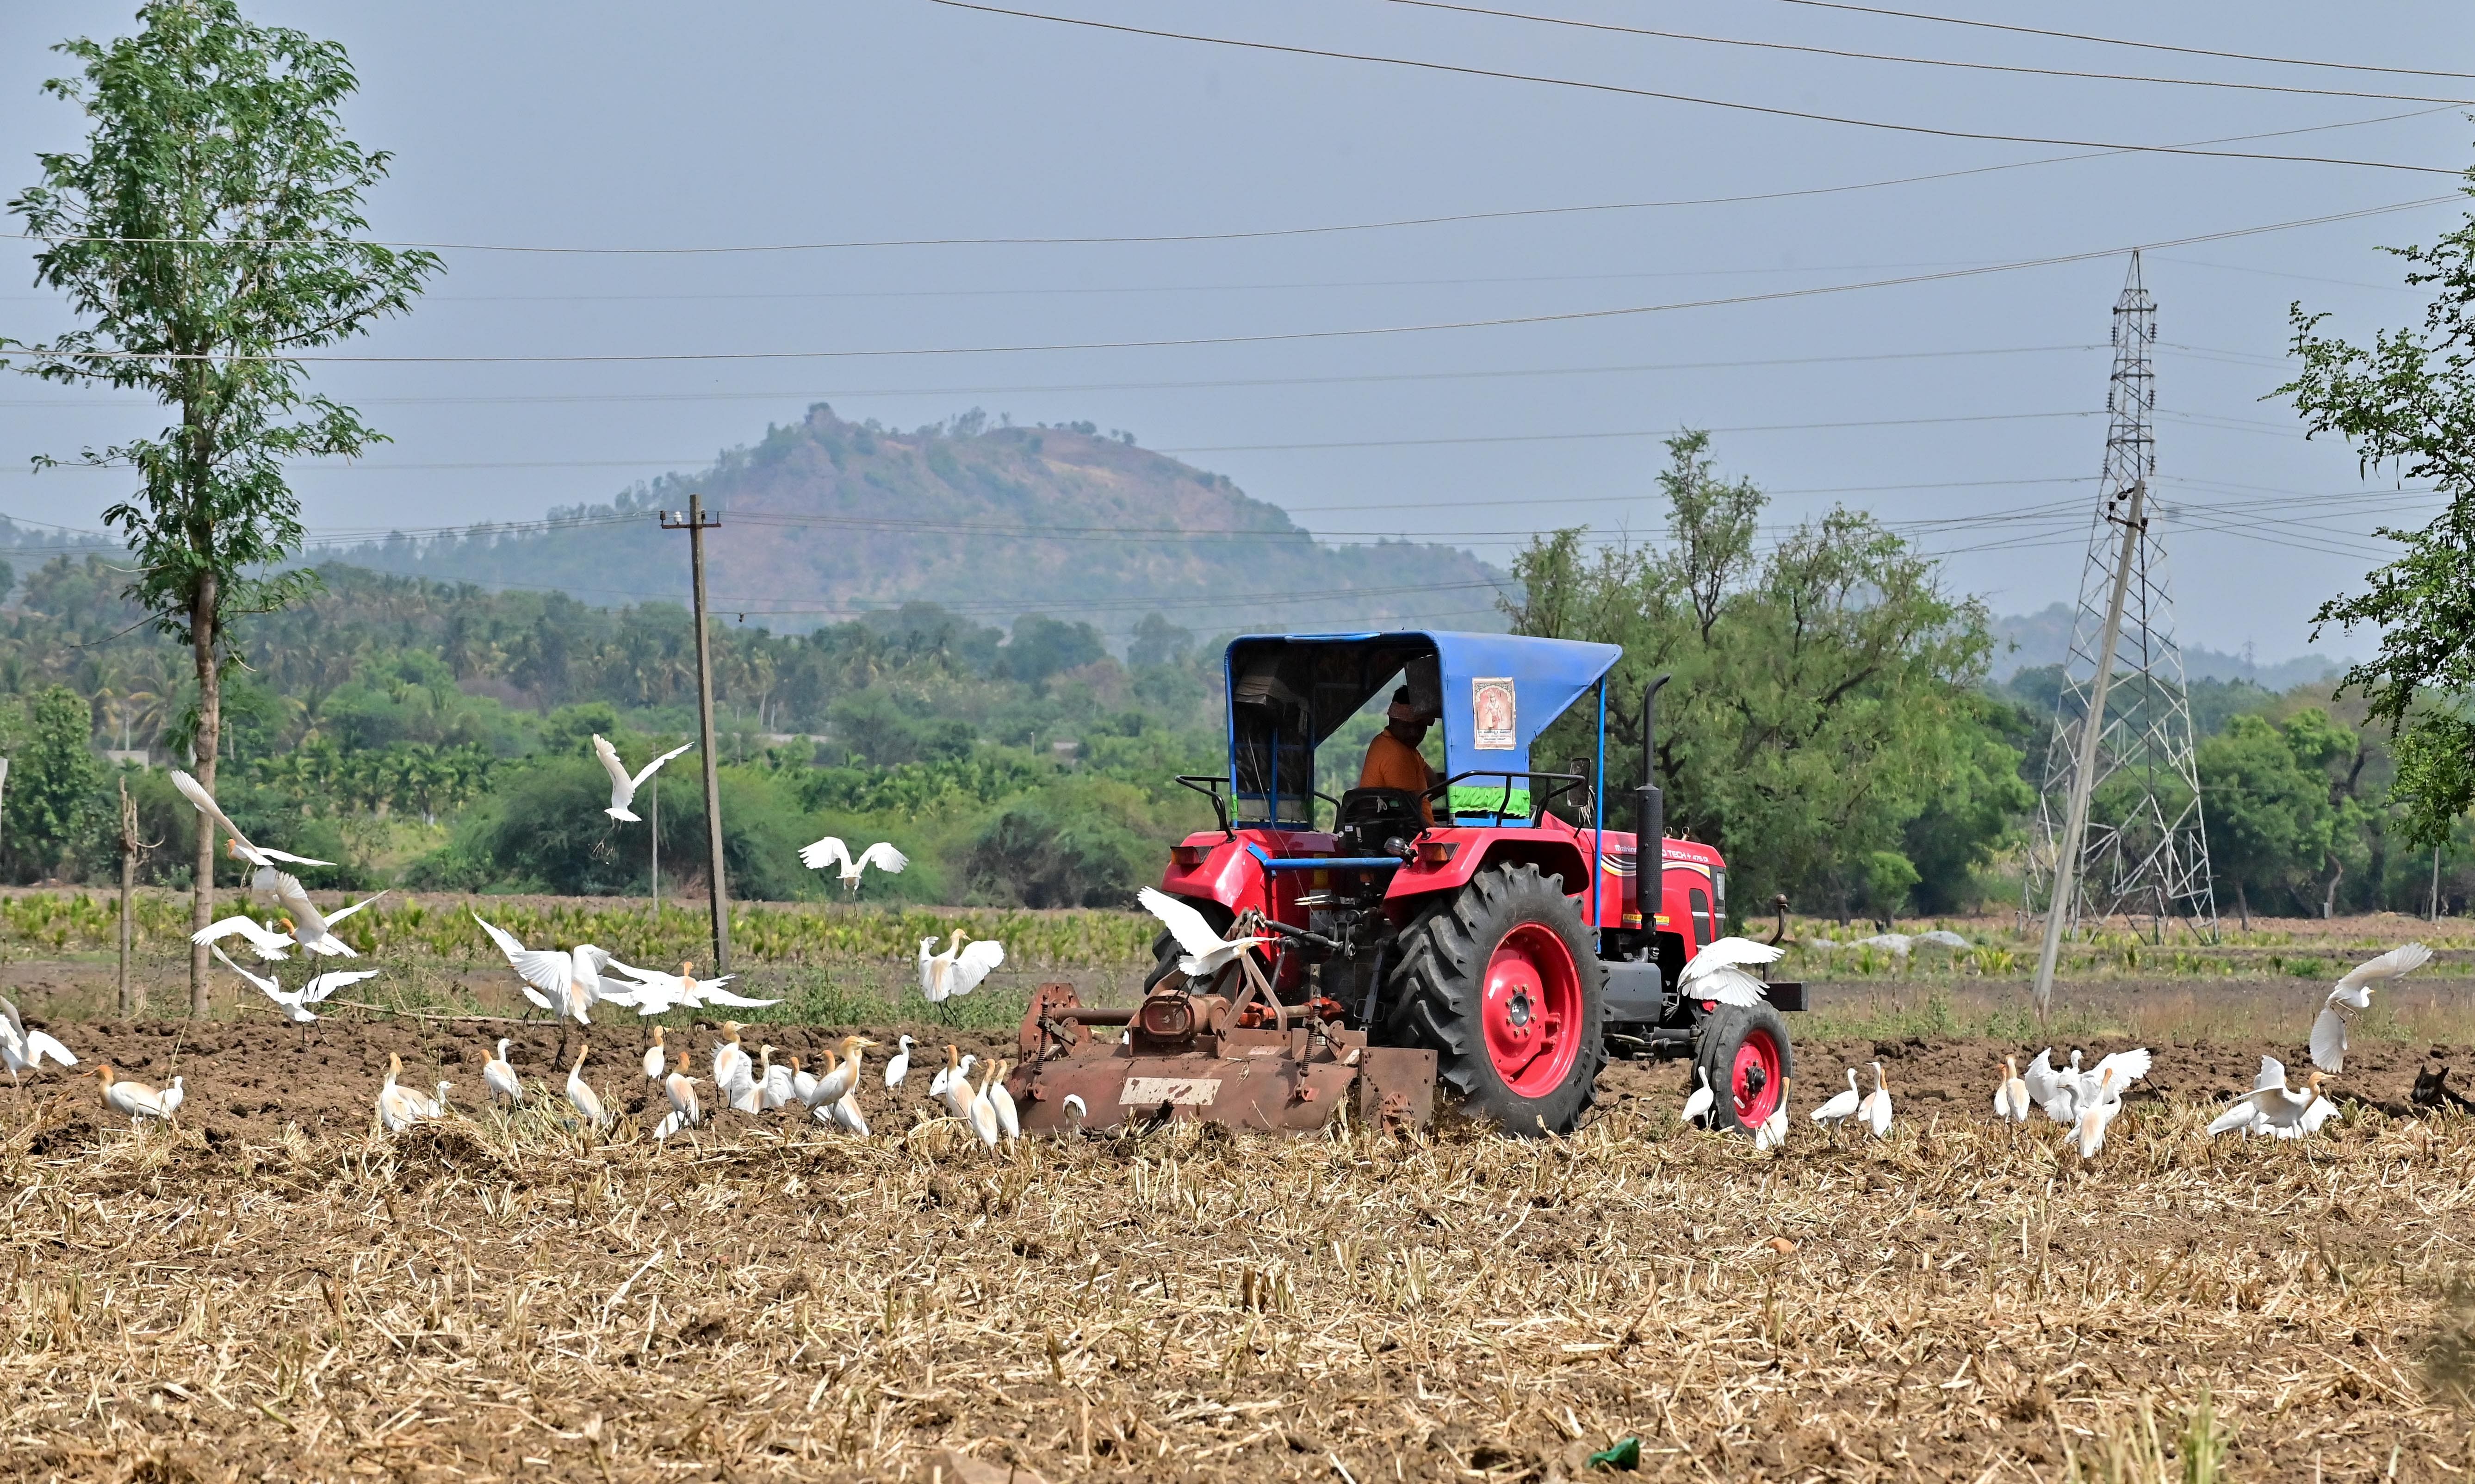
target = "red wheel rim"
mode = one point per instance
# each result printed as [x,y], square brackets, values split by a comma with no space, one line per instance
[1531,1013]
[1754,1081]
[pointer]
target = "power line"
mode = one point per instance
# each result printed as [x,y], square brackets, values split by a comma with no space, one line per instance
[1635,432]
[1025,388]
[1141,239]
[1573,316]
[1769,110]
[2146,46]
[1920,62]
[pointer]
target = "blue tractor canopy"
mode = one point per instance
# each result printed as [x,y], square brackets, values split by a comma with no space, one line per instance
[1493,695]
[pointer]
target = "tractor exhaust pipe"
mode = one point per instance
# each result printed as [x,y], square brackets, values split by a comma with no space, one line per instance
[1650,817]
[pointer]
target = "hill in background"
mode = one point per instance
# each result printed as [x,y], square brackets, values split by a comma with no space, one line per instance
[826,520]
[2030,640]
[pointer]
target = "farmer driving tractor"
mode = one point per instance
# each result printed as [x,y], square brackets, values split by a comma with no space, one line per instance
[1393,760]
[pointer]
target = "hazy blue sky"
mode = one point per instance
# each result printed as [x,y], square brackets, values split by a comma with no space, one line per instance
[639,124]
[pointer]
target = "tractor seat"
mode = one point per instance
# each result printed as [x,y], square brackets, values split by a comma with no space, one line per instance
[1378,821]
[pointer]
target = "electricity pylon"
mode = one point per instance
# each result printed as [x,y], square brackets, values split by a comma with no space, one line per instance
[2119,823]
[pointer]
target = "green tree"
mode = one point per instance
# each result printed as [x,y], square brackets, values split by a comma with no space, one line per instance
[1825,687]
[206,236]
[2266,810]
[55,792]
[2407,403]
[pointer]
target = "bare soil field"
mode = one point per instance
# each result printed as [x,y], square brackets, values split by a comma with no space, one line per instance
[272,1290]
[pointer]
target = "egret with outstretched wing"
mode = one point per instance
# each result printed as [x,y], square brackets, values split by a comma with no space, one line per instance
[1718,972]
[309,929]
[622,788]
[830,851]
[268,944]
[295,1003]
[1206,951]
[2354,992]
[239,848]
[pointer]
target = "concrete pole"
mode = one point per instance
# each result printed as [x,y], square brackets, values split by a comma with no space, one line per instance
[697,524]
[2067,860]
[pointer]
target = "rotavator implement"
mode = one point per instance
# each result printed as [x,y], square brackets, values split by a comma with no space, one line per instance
[1489,932]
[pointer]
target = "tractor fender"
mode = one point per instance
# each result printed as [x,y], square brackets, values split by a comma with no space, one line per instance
[1226,873]
[1476,849]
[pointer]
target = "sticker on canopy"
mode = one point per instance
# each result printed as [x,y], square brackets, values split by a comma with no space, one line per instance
[1491,708]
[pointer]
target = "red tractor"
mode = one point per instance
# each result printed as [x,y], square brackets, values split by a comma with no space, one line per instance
[1488,931]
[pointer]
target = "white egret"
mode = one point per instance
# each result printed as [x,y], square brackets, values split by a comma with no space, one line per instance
[1206,951]
[566,983]
[2057,1091]
[960,968]
[734,1075]
[803,1083]
[308,928]
[1001,1100]
[2089,1134]
[400,1108]
[266,942]
[1772,1131]
[899,1065]
[622,788]
[1075,1110]
[238,847]
[1875,1111]
[498,1076]
[2271,1104]
[295,1003]
[686,1113]
[1697,1106]
[957,1091]
[1842,1106]
[2011,1093]
[2354,992]
[171,1098]
[22,1050]
[772,1083]
[830,852]
[653,1058]
[938,1084]
[133,1100]
[841,1077]
[981,1113]
[653,992]
[579,1092]
[1717,973]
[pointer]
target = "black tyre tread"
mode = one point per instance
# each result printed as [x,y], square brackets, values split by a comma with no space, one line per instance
[1714,1053]
[1438,984]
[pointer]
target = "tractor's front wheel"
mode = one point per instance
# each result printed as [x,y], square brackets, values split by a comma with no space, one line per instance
[1501,982]
[1743,1051]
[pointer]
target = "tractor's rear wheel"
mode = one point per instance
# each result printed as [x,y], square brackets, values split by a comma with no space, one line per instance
[1742,1050]
[1502,983]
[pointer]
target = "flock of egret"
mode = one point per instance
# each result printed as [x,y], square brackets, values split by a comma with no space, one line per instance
[570,982]
[2085,1100]
[758,1086]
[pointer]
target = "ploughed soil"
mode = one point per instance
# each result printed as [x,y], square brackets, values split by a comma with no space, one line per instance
[247,1078]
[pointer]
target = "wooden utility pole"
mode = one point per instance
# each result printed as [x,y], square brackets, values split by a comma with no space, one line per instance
[2067,860]
[130,1003]
[695,522]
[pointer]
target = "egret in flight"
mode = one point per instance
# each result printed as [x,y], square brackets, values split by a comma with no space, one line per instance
[622,788]
[830,852]
[2354,992]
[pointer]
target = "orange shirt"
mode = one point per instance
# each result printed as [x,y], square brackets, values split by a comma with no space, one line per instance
[1393,763]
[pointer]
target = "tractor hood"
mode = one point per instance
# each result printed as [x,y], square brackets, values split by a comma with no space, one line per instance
[1495,694]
